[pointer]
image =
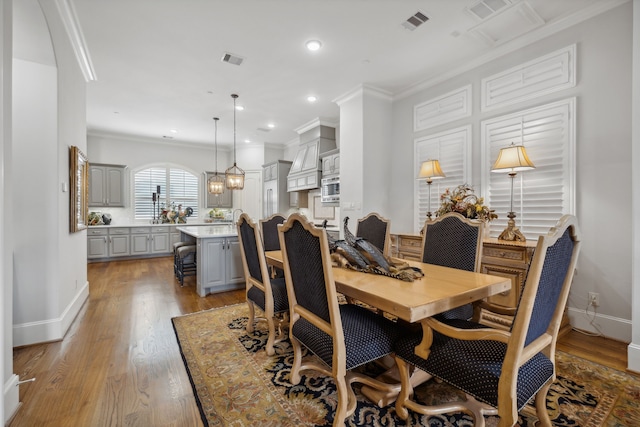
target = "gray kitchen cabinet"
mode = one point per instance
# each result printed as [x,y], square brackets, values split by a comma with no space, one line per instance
[106,185]
[119,242]
[219,264]
[274,188]
[224,200]
[160,240]
[330,163]
[139,240]
[97,243]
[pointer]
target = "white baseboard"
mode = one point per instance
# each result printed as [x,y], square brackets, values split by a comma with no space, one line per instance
[609,326]
[633,355]
[11,398]
[50,329]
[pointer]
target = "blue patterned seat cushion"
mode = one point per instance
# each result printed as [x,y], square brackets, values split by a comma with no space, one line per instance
[367,336]
[279,290]
[474,366]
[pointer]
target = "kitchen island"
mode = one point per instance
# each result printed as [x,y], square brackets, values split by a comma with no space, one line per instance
[218,257]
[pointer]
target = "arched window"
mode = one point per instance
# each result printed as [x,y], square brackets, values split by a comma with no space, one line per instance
[177,186]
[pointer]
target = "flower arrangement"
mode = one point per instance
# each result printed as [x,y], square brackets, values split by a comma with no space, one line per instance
[463,201]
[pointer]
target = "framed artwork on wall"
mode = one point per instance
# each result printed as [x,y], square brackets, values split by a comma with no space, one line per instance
[78,189]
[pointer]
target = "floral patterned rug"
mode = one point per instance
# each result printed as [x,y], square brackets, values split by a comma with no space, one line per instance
[236,384]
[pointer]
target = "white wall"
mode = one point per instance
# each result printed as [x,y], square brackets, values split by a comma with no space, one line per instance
[634,347]
[603,201]
[50,274]
[9,402]
[36,192]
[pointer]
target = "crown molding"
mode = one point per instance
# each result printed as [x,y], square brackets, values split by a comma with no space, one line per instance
[551,28]
[318,121]
[155,141]
[363,89]
[72,26]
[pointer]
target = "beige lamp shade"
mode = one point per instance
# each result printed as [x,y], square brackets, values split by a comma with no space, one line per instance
[215,184]
[430,169]
[512,159]
[234,178]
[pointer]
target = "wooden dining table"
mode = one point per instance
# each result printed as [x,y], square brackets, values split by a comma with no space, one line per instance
[439,290]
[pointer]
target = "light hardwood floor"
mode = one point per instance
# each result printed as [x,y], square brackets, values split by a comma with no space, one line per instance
[119,363]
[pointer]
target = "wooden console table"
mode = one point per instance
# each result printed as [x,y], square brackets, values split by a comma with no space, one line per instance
[499,258]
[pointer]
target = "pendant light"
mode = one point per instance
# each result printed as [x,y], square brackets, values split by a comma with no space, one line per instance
[215,184]
[234,176]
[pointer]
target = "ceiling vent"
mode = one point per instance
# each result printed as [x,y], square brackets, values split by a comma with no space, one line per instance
[485,8]
[415,21]
[264,129]
[232,59]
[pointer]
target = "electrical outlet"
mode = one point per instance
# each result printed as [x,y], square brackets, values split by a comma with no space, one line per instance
[594,299]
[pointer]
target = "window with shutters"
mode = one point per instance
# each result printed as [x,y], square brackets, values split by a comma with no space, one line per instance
[177,186]
[452,148]
[542,195]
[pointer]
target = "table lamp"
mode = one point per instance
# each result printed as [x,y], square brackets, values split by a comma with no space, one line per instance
[511,160]
[430,169]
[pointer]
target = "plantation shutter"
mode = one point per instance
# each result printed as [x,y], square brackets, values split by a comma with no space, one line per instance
[145,184]
[183,189]
[177,187]
[542,195]
[452,149]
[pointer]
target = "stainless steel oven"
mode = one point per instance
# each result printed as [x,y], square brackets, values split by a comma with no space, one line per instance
[331,190]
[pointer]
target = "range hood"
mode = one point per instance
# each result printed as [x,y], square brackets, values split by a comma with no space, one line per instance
[316,138]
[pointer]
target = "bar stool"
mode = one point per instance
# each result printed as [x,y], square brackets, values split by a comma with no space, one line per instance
[186,256]
[177,245]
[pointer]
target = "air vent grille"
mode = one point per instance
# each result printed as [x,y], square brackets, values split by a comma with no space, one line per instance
[415,21]
[264,129]
[485,8]
[232,59]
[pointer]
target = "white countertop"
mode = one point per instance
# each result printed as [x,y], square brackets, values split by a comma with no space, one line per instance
[200,232]
[143,224]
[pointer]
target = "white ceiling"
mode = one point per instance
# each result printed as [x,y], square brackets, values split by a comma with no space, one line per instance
[158,62]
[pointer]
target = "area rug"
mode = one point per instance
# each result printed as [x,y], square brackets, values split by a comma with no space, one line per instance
[236,384]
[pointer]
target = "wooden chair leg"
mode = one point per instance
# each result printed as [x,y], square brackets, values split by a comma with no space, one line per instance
[541,406]
[297,361]
[272,335]
[252,317]
[343,401]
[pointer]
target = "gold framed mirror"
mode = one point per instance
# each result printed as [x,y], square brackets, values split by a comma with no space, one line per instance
[78,189]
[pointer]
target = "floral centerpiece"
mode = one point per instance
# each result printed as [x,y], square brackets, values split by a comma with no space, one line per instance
[463,201]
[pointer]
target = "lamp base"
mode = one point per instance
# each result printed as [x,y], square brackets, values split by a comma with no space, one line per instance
[512,233]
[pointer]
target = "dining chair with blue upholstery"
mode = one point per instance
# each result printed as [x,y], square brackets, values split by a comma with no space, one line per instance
[343,336]
[376,230]
[451,240]
[269,295]
[500,371]
[270,239]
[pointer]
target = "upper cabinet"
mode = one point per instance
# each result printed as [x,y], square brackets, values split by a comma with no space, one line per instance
[274,188]
[106,185]
[331,163]
[224,200]
[306,158]
[306,168]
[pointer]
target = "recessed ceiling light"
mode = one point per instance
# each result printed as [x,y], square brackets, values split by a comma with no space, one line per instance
[173,130]
[312,98]
[271,125]
[239,107]
[313,45]
[247,141]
